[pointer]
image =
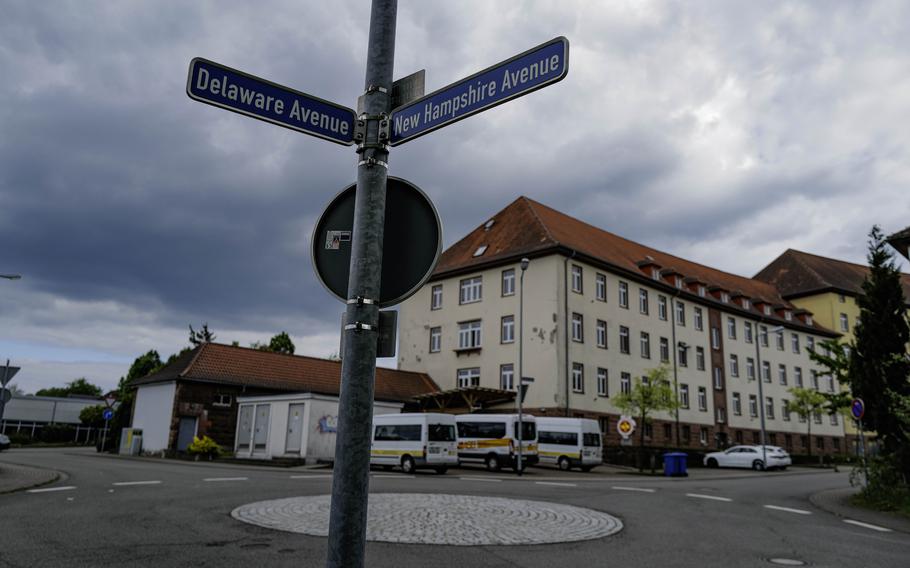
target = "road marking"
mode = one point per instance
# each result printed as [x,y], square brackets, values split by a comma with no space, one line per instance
[476,478]
[317,476]
[711,497]
[226,479]
[49,489]
[642,489]
[556,483]
[393,476]
[124,483]
[867,526]
[788,510]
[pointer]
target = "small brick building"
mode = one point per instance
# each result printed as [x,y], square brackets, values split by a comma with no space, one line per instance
[197,394]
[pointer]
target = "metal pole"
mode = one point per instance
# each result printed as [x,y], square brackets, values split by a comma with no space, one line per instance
[761,394]
[862,449]
[350,478]
[675,349]
[2,401]
[521,325]
[103,436]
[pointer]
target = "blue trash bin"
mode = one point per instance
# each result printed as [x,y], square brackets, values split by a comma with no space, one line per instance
[675,464]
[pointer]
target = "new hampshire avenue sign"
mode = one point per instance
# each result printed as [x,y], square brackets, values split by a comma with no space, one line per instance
[520,75]
[223,87]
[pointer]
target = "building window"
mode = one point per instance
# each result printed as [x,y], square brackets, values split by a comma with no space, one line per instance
[814,379]
[699,321]
[844,324]
[604,422]
[576,279]
[577,328]
[471,290]
[702,399]
[668,431]
[686,433]
[718,379]
[600,287]
[782,373]
[747,304]
[507,377]
[747,331]
[737,404]
[469,377]
[769,408]
[809,319]
[720,414]
[648,431]
[680,313]
[766,371]
[469,335]
[701,291]
[794,342]
[436,297]
[508,282]
[662,307]
[681,355]
[623,339]
[645,343]
[715,338]
[780,340]
[221,399]
[603,386]
[700,358]
[836,442]
[750,368]
[731,328]
[798,376]
[810,344]
[435,339]
[655,274]
[684,396]
[703,436]
[784,410]
[578,377]
[664,350]
[788,315]
[601,333]
[725,297]
[507,333]
[625,383]
[643,301]
[830,381]
[623,294]
[753,406]
[767,310]
[833,419]
[763,335]
[734,365]
[802,417]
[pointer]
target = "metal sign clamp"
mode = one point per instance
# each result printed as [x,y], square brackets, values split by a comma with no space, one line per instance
[359,300]
[358,326]
[375,88]
[368,145]
[370,162]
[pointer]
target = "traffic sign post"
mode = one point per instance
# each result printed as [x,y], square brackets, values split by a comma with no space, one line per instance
[858,410]
[6,375]
[107,414]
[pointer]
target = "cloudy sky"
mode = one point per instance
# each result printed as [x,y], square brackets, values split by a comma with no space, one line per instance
[724,132]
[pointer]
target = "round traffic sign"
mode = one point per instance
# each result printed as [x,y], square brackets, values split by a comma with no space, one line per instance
[858,408]
[625,426]
[107,414]
[412,241]
[5,395]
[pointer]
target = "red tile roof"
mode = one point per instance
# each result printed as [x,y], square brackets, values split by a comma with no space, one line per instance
[226,364]
[528,228]
[797,273]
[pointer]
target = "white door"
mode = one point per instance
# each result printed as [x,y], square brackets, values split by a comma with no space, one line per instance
[261,429]
[245,429]
[294,440]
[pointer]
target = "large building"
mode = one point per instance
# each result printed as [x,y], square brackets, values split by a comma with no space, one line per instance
[601,310]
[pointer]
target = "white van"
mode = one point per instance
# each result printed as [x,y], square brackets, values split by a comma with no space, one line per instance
[569,442]
[414,440]
[491,439]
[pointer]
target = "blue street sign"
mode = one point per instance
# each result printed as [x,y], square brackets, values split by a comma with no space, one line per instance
[107,414]
[212,83]
[526,72]
[858,408]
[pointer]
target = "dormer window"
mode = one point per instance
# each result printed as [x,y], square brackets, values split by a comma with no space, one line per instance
[767,310]
[724,297]
[747,304]
[808,320]
[701,291]
[480,250]
[788,315]
[679,282]
[655,273]
[489,224]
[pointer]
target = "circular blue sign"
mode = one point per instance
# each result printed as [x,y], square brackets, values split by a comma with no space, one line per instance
[858,408]
[107,414]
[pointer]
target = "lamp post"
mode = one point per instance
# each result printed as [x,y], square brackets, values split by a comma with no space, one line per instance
[11,276]
[521,320]
[685,347]
[761,392]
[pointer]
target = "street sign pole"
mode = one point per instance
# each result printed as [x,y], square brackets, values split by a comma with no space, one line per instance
[350,477]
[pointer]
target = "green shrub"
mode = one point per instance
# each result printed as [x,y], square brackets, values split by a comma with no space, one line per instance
[204,446]
[887,490]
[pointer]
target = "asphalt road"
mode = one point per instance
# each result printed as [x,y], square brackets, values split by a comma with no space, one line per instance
[121,512]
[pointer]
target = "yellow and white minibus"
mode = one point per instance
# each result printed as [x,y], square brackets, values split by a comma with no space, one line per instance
[414,440]
[569,442]
[491,439]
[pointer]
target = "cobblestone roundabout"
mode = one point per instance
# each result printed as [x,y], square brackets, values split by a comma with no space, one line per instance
[458,520]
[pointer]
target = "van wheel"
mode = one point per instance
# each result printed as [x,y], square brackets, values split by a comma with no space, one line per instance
[407,464]
[492,463]
[441,469]
[564,464]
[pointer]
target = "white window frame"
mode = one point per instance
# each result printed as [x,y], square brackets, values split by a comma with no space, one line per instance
[718,379]
[684,396]
[507,376]
[700,358]
[750,369]
[578,378]
[470,290]
[600,286]
[470,334]
[468,377]
[644,343]
[623,294]
[578,327]
[662,307]
[600,332]
[643,301]
[731,327]
[747,331]
[703,399]
[603,382]
[664,350]
[435,339]
[508,282]
[753,406]
[577,279]
[625,383]
[436,297]
[782,373]
[624,341]
[737,404]
[698,319]
[680,313]
[734,365]
[507,329]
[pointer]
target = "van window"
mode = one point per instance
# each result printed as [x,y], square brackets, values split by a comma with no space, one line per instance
[441,433]
[481,429]
[558,438]
[528,430]
[398,433]
[591,439]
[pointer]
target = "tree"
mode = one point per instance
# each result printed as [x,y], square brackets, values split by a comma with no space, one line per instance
[79,386]
[92,415]
[879,365]
[202,336]
[652,393]
[806,404]
[281,343]
[15,389]
[834,358]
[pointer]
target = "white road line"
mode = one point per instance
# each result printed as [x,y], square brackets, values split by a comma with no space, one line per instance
[711,497]
[124,483]
[49,489]
[226,479]
[643,490]
[392,476]
[317,476]
[788,510]
[473,478]
[556,483]
[867,525]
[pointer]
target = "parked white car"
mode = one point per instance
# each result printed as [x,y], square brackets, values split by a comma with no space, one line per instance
[4,442]
[749,457]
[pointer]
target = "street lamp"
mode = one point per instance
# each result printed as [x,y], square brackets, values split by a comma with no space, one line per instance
[521,320]
[761,393]
[11,276]
[685,347]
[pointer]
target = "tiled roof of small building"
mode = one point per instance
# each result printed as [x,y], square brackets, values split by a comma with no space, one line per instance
[226,364]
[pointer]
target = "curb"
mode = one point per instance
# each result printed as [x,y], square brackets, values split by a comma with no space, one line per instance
[836,502]
[56,476]
[215,463]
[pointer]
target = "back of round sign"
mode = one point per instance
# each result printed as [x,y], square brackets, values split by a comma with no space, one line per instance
[411,244]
